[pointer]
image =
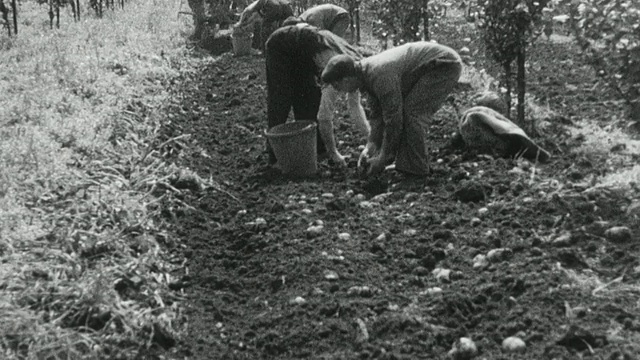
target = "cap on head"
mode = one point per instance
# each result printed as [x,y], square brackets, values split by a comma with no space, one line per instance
[338,67]
[491,100]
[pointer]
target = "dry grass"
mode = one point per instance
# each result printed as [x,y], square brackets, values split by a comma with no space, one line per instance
[600,139]
[622,177]
[83,269]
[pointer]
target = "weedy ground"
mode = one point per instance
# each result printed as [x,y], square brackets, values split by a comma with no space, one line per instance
[84,263]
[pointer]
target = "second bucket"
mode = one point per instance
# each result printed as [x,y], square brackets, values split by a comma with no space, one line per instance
[295,147]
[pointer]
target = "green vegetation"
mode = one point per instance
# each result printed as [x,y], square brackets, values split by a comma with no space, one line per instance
[84,269]
[609,33]
[507,27]
[404,20]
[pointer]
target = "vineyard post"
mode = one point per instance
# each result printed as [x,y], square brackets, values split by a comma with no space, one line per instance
[5,16]
[357,16]
[509,27]
[506,67]
[521,85]
[58,5]
[50,14]
[425,20]
[14,12]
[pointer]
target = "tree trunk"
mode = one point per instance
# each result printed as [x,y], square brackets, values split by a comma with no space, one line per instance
[357,25]
[633,79]
[507,85]
[5,16]
[425,21]
[73,10]
[199,17]
[14,11]
[57,14]
[355,20]
[352,20]
[521,86]
[634,104]
[51,14]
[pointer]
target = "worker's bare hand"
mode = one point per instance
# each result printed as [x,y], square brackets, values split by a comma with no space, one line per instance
[339,159]
[363,162]
[376,165]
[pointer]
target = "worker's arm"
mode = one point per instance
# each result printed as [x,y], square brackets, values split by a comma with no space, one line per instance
[249,15]
[356,112]
[325,124]
[373,144]
[391,105]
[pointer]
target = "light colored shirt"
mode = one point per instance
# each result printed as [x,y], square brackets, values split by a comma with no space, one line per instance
[326,113]
[391,74]
[322,16]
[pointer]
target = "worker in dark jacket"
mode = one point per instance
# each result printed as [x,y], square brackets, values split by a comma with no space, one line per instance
[326,16]
[295,58]
[271,14]
[407,85]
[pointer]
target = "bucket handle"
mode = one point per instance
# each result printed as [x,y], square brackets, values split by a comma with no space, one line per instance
[310,125]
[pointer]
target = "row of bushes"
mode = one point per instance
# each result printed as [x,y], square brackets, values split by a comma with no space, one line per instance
[609,32]
[54,7]
[85,191]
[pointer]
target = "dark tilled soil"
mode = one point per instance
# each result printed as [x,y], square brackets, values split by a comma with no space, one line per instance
[402,284]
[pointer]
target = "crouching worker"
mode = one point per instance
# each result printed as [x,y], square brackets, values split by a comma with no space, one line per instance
[407,85]
[485,129]
[295,57]
[326,16]
[271,14]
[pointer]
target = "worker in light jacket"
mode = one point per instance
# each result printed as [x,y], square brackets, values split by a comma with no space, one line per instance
[326,16]
[407,85]
[485,128]
[295,58]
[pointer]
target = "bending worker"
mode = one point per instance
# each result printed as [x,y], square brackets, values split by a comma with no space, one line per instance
[295,58]
[485,129]
[407,85]
[270,12]
[326,16]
